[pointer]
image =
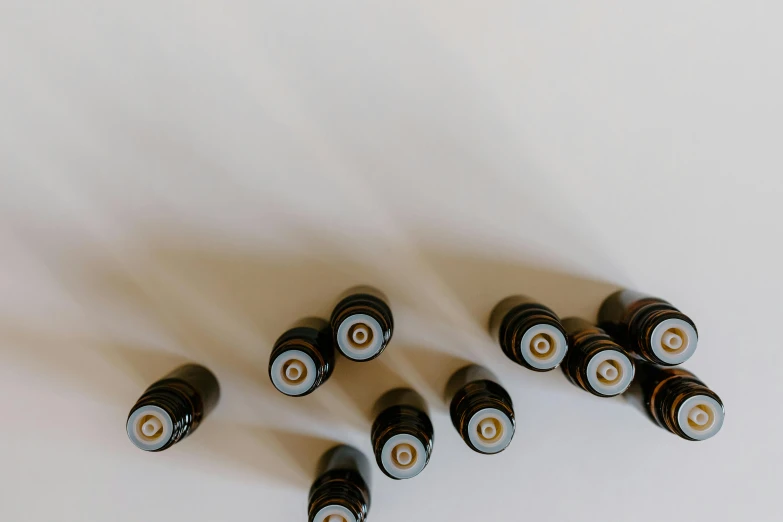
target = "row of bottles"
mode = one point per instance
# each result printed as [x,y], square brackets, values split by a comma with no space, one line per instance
[637,338]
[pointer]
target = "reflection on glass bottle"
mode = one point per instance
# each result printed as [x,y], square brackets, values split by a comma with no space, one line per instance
[481,409]
[362,323]
[172,408]
[650,328]
[341,491]
[679,402]
[402,434]
[594,361]
[302,358]
[529,333]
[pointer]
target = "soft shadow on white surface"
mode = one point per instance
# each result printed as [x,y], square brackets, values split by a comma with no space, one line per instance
[248,450]
[183,183]
[224,306]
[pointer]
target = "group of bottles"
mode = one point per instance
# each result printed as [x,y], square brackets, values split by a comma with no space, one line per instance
[636,336]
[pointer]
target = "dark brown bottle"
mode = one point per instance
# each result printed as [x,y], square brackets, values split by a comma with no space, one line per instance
[649,328]
[679,402]
[529,333]
[481,409]
[342,489]
[594,361]
[172,408]
[402,435]
[362,323]
[302,358]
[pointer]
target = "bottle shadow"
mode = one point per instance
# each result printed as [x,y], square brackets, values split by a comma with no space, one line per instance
[146,366]
[237,449]
[363,382]
[431,370]
[224,307]
[82,361]
[634,397]
[479,283]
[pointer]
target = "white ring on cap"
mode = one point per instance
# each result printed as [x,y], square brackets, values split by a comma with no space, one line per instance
[553,356]
[700,417]
[415,449]
[287,386]
[367,343]
[334,513]
[596,369]
[673,341]
[501,423]
[149,416]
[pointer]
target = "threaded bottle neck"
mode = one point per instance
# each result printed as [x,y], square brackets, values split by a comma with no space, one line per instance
[666,399]
[371,340]
[517,322]
[643,317]
[588,342]
[401,420]
[180,402]
[340,487]
[474,397]
[315,344]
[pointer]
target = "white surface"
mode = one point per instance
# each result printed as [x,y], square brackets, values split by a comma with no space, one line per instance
[182,181]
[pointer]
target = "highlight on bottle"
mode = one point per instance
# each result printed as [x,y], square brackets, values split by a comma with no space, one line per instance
[172,407]
[529,333]
[595,362]
[362,323]
[650,328]
[341,491]
[402,434]
[481,410]
[302,359]
[681,403]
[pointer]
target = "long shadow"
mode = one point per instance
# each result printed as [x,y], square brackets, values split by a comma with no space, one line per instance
[634,398]
[83,362]
[229,448]
[224,306]
[364,382]
[479,283]
[147,365]
[432,370]
[303,450]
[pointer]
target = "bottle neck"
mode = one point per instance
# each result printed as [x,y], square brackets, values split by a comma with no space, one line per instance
[340,487]
[180,402]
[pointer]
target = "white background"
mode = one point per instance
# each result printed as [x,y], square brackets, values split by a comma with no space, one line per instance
[181,181]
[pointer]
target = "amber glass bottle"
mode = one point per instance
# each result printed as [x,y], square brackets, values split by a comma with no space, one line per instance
[481,409]
[529,333]
[649,328]
[342,490]
[680,403]
[362,323]
[172,408]
[402,435]
[302,358]
[595,362]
